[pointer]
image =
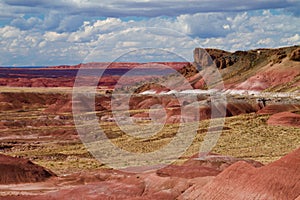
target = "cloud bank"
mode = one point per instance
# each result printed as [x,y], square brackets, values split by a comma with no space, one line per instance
[40,32]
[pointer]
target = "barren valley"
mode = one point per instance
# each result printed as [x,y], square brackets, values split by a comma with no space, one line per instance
[256,155]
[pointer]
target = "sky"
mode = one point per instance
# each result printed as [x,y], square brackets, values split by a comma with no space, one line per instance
[53,32]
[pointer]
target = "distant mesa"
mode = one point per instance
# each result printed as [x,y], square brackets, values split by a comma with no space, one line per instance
[273,70]
[259,69]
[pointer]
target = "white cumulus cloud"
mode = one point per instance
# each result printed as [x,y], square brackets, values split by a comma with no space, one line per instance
[70,37]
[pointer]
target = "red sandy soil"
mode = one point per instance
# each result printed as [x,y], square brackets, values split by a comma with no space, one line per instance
[55,103]
[285,119]
[273,109]
[167,183]
[278,180]
[211,166]
[19,170]
[271,76]
[175,111]
[216,177]
[21,100]
[205,112]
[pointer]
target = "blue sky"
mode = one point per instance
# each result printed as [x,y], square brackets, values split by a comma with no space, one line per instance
[43,32]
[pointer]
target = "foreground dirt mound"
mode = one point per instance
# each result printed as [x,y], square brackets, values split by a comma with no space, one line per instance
[273,109]
[63,104]
[216,177]
[18,170]
[285,119]
[211,166]
[24,100]
[278,180]
[168,183]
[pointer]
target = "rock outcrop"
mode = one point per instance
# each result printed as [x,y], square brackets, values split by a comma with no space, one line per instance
[295,55]
[259,69]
